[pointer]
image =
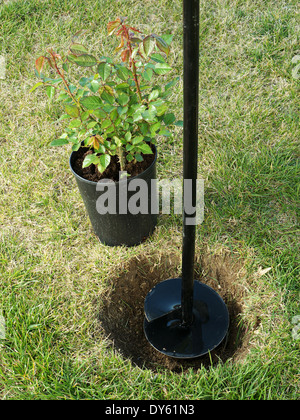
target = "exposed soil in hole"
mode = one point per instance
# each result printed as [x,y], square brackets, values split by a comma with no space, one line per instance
[91,173]
[121,311]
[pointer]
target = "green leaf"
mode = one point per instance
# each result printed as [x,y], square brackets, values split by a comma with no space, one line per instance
[84,60]
[59,142]
[153,95]
[144,127]
[63,97]
[55,81]
[114,114]
[128,136]
[104,70]
[162,68]
[117,141]
[162,45]
[92,124]
[35,86]
[94,86]
[72,88]
[144,86]
[66,66]
[72,110]
[135,40]
[104,161]
[84,81]
[107,98]
[108,108]
[148,44]
[168,38]
[123,73]
[137,140]
[75,124]
[109,88]
[155,127]
[64,117]
[50,90]
[165,132]
[91,102]
[100,114]
[84,115]
[78,49]
[118,122]
[122,110]
[161,107]
[88,160]
[76,147]
[147,74]
[137,116]
[106,123]
[73,139]
[139,157]
[149,115]
[158,58]
[169,119]
[179,124]
[129,157]
[79,93]
[122,86]
[129,147]
[123,99]
[145,149]
[110,129]
[101,149]
[172,83]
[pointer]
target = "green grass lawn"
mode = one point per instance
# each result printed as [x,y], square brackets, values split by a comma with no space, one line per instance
[53,270]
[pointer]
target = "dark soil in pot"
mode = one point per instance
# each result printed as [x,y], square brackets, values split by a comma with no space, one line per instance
[91,173]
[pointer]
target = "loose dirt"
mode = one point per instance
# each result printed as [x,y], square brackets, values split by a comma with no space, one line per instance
[91,173]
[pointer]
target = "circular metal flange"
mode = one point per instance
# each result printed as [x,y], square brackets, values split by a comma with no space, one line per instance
[163,320]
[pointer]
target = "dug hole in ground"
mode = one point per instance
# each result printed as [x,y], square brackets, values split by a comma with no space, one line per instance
[120,310]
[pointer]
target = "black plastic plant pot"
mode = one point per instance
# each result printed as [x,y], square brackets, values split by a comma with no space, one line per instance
[124,212]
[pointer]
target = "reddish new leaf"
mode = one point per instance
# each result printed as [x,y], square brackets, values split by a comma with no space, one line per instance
[112,26]
[121,44]
[39,63]
[125,56]
[54,55]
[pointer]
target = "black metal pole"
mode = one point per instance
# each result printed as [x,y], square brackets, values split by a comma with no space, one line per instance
[186,318]
[190,148]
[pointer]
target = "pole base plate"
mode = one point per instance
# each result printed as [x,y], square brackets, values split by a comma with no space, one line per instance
[163,320]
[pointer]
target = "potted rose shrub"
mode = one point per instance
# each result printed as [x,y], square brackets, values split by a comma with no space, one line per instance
[114,111]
